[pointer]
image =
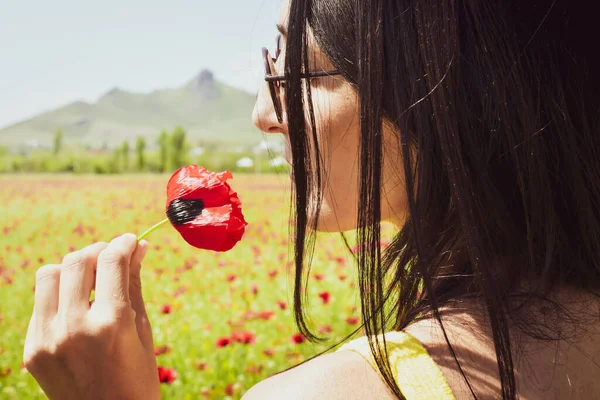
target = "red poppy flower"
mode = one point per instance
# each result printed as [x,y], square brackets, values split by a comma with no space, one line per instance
[204,209]
[222,342]
[352,320]
[166,309]
[244,337]
[282,304]
[166,375]
[266,314]
[325,297]
[231,389]
[319,277]
[298,338]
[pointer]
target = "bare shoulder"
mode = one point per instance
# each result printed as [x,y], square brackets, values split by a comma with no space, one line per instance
[474,348]
[340,375]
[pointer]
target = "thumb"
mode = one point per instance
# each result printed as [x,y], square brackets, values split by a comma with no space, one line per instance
[135,295]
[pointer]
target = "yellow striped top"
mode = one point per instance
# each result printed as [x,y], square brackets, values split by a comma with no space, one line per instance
[415,372]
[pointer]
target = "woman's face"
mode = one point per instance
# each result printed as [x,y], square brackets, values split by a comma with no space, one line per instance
[336,110]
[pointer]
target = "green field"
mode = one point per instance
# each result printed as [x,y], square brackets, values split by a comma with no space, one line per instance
[211,295]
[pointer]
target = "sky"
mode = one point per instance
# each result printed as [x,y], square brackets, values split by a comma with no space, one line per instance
[59,51]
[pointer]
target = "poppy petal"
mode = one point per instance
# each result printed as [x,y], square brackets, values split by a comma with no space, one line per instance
[217,228]
[195,182]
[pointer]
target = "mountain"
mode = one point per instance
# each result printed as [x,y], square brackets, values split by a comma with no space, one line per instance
[209,110]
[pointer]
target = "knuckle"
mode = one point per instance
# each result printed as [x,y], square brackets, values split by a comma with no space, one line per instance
[68,338]
[73,258]
[47,271]
[118,314]
[112,256]
[122,311]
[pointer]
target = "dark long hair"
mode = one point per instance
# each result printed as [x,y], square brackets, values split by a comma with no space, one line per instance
[498,104]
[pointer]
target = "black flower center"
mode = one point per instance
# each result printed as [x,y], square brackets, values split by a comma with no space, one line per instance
[183,211]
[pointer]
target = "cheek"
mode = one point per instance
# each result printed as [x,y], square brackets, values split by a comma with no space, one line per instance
[337,119]
[338,133]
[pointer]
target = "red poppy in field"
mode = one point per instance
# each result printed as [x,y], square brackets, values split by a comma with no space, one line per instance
[319,277]
[204,209]
[282,304]
[298,338]
[340,260]
[244,337]
[231,389]
[166,375]
[265,314]
[166,309]
[222,342]
[325,297]
[352,320]
[325,329]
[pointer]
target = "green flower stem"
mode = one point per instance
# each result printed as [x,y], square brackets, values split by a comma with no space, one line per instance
[155,227]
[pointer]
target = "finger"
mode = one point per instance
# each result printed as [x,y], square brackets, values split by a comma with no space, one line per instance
[112,272]
[47,285]
[135,295]
[30,338]
[77,277]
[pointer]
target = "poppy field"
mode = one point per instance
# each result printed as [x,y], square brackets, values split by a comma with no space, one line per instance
[221,321]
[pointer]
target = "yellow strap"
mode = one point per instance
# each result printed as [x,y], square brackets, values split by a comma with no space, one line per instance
[416,374]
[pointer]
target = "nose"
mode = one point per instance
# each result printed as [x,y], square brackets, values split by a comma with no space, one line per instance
[263,115]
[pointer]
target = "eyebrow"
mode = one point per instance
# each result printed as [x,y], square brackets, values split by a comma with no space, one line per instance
[282,30]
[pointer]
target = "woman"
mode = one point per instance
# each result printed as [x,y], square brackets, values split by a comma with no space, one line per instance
[473,126]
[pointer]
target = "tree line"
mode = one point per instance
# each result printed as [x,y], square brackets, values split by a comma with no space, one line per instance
[169,152]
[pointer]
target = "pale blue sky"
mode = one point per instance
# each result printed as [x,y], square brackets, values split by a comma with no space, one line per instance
[53,52]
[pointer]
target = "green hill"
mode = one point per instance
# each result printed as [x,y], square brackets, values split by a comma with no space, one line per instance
[209,110]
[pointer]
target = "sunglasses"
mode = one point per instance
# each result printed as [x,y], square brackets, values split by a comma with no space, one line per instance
[275,81]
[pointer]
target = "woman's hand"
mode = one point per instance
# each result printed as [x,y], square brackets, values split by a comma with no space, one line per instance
[77,349]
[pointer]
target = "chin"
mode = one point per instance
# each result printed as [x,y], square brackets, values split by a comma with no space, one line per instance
[330,221]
